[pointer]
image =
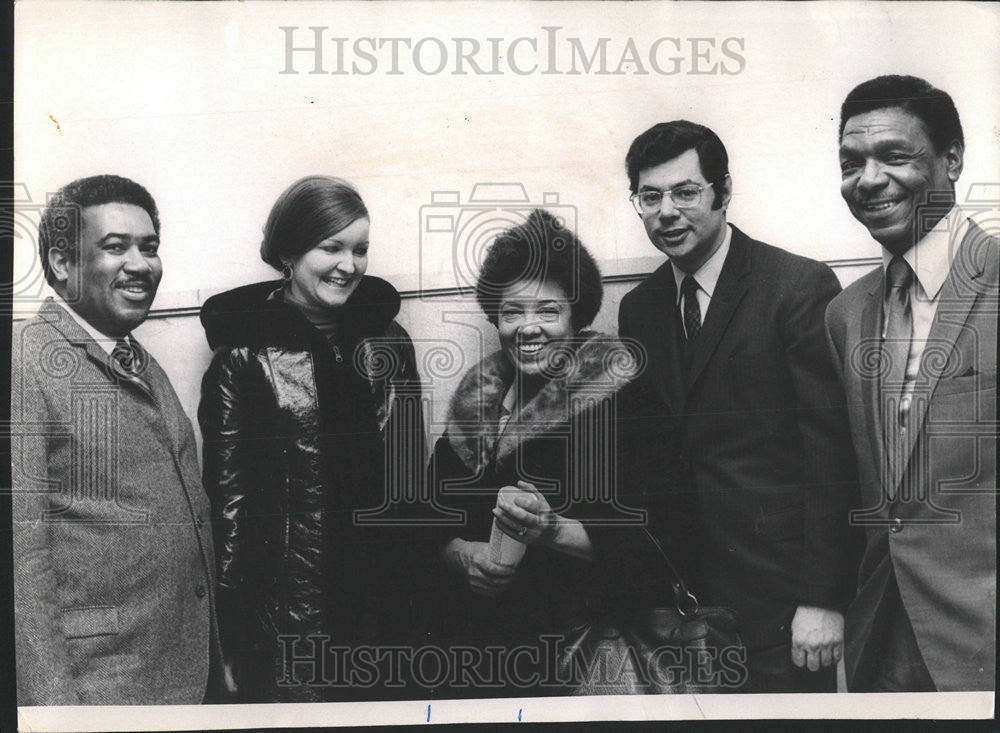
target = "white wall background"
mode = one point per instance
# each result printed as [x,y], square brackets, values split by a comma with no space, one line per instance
[187,99]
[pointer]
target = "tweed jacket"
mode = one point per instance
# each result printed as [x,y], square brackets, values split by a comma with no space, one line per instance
[113,558]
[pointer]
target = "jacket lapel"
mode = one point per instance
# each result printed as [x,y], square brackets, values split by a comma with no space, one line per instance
[729,291]
[870,349]
[966,282]
[74,334]
[661,318]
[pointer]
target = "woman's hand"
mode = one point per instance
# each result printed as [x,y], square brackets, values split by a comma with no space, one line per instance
[524,514]
[472,560]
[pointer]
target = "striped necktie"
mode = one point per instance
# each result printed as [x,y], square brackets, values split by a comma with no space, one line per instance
[128,362]
[896,337]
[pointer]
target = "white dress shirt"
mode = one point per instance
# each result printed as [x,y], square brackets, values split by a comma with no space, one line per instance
[707,276]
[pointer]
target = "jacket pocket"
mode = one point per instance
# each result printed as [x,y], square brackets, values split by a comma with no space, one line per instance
[961,385]
[86,621]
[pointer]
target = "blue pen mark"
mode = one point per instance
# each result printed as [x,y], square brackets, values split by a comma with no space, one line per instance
[428,713]
[519,714]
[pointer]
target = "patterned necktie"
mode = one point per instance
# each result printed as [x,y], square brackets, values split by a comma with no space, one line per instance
[692,313]
[896,336]
[128,363]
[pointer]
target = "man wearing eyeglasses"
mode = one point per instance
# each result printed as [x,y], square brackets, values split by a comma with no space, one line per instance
[733,334]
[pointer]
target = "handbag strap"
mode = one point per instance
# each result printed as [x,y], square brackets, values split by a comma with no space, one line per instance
[687,603]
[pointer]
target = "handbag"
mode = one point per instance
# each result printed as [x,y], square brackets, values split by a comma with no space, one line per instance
[680,649]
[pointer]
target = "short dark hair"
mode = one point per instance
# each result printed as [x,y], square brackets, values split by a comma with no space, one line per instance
[61,219]
[930,105]
[666,140]
[310,210]
[541,249]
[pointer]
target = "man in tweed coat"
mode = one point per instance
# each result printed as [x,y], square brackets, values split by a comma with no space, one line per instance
[113,586]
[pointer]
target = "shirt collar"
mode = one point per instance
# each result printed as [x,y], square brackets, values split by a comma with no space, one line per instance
[707,276]
[931,257]
[105,342]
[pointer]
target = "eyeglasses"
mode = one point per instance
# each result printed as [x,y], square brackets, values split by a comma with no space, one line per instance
[683,197]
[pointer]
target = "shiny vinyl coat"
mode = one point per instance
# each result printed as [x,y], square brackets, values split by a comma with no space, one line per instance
[295,429]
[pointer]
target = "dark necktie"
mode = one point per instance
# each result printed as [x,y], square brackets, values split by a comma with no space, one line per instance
[897,334]
[692,313]
[128,363]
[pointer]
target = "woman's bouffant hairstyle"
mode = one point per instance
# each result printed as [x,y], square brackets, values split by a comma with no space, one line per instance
[542,249]
[309,211]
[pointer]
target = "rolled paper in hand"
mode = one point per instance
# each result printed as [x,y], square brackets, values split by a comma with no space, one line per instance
[505,550]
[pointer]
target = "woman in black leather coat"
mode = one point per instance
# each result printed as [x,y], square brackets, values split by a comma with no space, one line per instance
[306,383]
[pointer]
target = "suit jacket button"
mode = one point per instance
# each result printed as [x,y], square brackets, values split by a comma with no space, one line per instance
[200,591]
[897,525]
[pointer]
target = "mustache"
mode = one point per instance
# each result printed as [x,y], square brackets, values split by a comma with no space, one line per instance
[147,281]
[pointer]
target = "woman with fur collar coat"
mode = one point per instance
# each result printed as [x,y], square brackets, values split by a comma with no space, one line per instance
[535,422]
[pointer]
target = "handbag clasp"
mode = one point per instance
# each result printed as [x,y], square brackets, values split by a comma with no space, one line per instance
[687,603]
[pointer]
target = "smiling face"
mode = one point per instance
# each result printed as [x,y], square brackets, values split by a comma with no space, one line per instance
[326,275]
[687,236]
[112,279]
[533,318]
[888,168]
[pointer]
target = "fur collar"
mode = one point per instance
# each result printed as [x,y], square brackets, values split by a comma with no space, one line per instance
[597,367]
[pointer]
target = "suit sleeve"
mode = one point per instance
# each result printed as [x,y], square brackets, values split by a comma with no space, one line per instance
[230,478]
[828,464]
[44,674]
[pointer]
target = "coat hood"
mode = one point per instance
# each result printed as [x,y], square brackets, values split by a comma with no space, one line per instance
[245,317]
[597,368]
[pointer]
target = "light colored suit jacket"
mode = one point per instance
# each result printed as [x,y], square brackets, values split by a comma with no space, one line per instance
[930,514]
[113,559]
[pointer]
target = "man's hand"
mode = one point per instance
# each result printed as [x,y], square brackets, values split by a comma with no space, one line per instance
[472,561]
[817,637]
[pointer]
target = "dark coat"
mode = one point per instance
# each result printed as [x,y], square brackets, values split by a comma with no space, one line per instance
[763,435]
[557,441]
[293,429]
[113,561]
[941,546]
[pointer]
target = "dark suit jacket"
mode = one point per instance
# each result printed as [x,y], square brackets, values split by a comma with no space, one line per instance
[763,439]
[941,545]
[113,559]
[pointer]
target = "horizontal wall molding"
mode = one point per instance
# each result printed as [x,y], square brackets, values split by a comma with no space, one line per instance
[188,303]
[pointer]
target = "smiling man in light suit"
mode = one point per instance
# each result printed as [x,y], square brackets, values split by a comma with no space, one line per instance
[113,586]
[916,341]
